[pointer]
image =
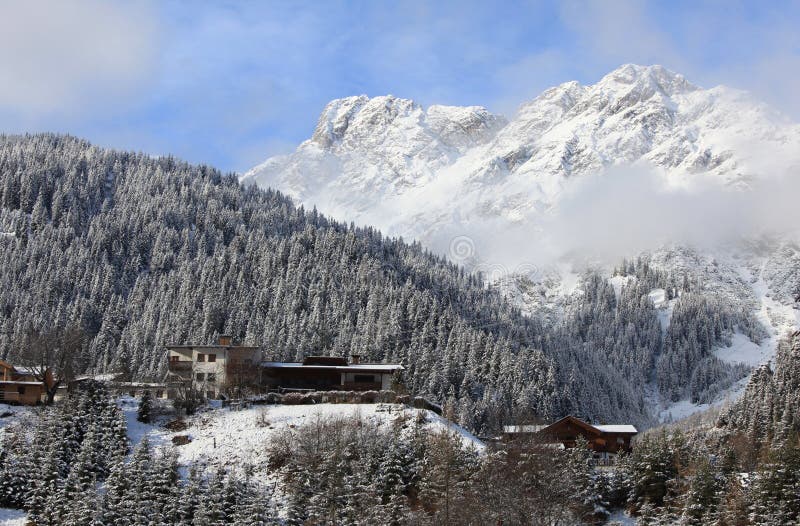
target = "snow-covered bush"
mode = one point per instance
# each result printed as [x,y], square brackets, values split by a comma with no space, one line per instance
[368,397]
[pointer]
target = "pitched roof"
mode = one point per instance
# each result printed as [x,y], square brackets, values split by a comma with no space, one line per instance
[617,428]
[594,429]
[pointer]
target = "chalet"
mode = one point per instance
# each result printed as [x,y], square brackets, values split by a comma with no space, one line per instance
[604,440]
[325,373]
[213,369]
[20,385]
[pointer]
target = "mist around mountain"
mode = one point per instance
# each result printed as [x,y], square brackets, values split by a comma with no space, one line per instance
[643,165]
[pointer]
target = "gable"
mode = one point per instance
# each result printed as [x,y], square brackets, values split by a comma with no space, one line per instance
[570,425]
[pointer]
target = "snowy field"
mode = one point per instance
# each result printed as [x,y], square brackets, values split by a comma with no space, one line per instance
[224,437]
[9,517]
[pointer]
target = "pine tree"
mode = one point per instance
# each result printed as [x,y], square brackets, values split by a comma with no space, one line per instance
[144,413]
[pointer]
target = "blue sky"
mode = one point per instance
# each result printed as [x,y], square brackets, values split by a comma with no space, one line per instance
[231,83]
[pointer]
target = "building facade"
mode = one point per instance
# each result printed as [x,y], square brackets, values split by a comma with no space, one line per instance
[213,369]
[327,373]
[235,370]
[21,385]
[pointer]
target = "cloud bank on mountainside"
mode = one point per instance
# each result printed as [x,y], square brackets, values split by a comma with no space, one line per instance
[637,160]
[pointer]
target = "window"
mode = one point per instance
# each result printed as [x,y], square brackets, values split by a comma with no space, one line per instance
[201,357]
[211,377]
[21,389]
[364,378]
[212,357]
[200,377]
[174,358]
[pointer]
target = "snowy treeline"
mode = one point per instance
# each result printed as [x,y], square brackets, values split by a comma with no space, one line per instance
[72,468]
[352,471]
[139,252]
[769,409]
[47,467]
[745,470]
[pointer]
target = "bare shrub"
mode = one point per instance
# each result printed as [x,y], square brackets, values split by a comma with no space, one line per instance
[177,425]
[274,398]
[261,419]
[368,397]
[387,397]
[293,399]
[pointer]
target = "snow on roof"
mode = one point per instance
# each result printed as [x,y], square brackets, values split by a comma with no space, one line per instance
[523,429]
[616,428]
[26,370]
[14,382]
[387,367]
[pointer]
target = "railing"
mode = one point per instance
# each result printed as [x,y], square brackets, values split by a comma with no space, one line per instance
[362,386]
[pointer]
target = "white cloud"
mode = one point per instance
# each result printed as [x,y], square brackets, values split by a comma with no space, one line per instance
[626,210]
[63,57]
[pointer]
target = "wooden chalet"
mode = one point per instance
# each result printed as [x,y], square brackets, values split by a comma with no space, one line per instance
[19,385]
[603,439]
[327,373]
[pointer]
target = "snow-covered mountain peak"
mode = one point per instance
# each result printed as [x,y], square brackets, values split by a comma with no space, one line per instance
[416,172]
[652,79]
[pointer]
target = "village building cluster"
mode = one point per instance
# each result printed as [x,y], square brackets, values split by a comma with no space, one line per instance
[227,369]
[230,369]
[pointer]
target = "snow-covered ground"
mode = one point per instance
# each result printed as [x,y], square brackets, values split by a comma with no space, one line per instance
[743,350]
[12,414]
[622,518]
[9,517]
[663,306]
[229,437]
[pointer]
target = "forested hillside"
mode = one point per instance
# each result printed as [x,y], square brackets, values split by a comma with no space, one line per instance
[139,252]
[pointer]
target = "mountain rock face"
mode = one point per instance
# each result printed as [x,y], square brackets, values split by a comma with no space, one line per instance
[363,150]
[415,172]
[484,190]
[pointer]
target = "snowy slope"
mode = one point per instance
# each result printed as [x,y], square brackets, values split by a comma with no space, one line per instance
[223,437]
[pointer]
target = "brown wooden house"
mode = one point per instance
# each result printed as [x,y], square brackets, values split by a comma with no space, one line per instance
[19,385]
[326,373]
[602,439]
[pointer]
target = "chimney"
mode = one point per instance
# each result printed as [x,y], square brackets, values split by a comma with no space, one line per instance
[355,359]
[225,340]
